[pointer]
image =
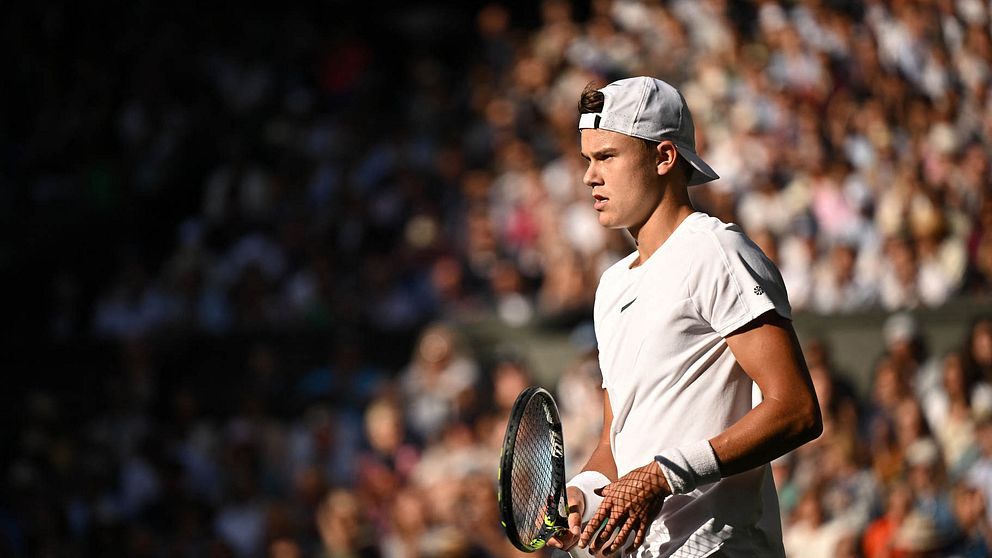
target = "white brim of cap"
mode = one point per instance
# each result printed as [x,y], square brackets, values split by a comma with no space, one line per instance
[702,173]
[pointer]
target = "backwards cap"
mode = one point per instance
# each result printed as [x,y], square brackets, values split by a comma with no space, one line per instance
[648,108]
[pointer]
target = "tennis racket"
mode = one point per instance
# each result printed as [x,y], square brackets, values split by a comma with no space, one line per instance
[531,476]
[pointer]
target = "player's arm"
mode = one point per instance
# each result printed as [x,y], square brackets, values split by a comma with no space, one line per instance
[602,457]
[788,416]
[601,461]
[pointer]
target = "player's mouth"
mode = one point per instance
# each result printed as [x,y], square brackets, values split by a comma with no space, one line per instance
[600,202]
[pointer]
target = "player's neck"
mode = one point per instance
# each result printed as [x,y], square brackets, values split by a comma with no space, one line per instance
[659,227]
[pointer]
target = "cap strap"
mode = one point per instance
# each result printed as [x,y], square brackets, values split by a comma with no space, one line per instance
[589,120]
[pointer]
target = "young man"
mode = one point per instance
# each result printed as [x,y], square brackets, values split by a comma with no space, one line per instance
[686,325]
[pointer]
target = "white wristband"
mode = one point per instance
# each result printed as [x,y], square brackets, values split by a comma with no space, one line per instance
[689,466]
[587,482]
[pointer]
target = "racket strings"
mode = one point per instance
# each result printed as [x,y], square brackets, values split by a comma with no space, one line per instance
[532,477]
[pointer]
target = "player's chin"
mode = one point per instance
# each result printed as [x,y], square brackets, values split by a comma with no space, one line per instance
[608,220]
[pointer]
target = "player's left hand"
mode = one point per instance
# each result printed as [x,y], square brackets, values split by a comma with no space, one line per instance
[628,506]
[565,540]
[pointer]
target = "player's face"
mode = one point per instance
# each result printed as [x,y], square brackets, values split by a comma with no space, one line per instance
[622,173]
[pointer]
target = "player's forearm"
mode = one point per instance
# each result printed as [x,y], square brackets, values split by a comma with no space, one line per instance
[602,457]
[602,460]
[767,432]
[768,350]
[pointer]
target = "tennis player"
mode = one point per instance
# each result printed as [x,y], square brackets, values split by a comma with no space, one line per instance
[687,324]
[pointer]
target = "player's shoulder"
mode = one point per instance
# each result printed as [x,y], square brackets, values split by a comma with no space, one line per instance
[708,234]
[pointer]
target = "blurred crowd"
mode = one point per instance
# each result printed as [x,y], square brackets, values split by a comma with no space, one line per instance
[905,470]
[344,461]
[315,176]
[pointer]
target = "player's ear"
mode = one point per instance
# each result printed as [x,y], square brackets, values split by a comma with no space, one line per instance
[668,157]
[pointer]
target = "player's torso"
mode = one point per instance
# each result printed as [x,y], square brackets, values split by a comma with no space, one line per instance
[671,379]
[669,376]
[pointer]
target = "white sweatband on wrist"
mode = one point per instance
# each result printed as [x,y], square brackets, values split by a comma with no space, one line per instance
[588,482]
[689,466]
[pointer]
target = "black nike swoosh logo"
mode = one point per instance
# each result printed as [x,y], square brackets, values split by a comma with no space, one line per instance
[624,307]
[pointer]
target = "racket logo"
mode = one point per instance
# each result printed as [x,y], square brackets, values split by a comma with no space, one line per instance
[557,448]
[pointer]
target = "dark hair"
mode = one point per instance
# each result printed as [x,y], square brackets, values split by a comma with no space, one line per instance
[591,100]
[973,368]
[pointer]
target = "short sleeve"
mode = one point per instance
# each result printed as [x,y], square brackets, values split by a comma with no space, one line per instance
[732,282]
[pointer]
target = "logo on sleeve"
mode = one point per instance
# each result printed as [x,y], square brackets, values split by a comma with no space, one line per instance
[624,307]
[758,290]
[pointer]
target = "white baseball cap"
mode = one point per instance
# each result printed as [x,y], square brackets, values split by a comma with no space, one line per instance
[648,108]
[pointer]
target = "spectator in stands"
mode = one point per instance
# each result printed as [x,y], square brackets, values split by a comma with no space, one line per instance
[909,352]
[439,382]
[879,536]
[838,288]
[386,435]
[810,531]
[970,513]
[978,349]
[927,477]
[979,474]
[919,536]
[343,529]
[952,410]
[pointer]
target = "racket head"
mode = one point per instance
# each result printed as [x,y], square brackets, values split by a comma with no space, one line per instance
[531,476]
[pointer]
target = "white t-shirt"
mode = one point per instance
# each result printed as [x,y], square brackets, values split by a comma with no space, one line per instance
[672,379]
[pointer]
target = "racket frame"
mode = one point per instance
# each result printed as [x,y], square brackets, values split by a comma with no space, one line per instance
[555,521]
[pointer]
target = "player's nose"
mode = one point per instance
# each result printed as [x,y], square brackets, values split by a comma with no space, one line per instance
[591,177]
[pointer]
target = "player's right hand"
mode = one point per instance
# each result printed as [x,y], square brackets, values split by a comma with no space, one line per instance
[565,540]
[628,507]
